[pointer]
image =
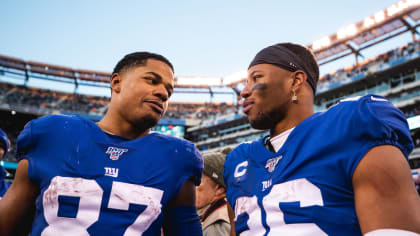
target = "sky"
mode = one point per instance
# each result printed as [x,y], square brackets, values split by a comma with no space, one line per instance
[201,38]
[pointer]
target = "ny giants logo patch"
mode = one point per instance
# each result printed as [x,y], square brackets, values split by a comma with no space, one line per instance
[115,153]
[113,172]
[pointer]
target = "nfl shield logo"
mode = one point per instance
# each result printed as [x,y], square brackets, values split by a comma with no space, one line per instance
[271,163]
[115,153]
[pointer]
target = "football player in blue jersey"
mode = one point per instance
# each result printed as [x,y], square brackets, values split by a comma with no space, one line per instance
[4,147]
[77,177]
[339,172]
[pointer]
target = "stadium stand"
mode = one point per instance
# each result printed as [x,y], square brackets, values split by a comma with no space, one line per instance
[212,124]
[43,101]
[393,74]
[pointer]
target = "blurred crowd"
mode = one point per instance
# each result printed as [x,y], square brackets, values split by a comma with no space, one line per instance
[42,101]
[412,110]
[47,101]
[12,125]
[368,65]
[201,111]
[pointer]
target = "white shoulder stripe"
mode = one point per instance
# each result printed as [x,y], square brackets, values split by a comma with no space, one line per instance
[378,99]
[351,99]
[391,232]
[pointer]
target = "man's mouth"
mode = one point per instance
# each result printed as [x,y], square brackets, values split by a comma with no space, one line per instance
[157,106]
[247,106]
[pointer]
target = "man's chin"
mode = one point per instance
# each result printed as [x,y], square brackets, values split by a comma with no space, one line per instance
[148,121]
[267,120]
[259,124]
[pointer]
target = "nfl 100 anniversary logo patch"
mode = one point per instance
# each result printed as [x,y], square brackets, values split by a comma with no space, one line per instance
[272,162]
[115,153]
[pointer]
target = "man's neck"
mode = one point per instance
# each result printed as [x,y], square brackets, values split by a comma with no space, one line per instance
[123,129]
[294,117]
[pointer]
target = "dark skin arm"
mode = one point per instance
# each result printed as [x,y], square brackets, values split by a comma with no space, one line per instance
[17,207]
[185,197]
[385,195]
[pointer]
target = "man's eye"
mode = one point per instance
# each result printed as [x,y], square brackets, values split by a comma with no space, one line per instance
[255,77]
[151,80]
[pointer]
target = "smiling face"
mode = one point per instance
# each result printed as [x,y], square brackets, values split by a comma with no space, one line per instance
[267,95]
[141,93]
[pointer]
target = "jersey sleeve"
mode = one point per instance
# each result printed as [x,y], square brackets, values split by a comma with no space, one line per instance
[26,147]
[374,122]
[187,164]
[196,165]
[235,170]
[191,165]
[228,172]
[25,141]
[38,143]
[3,184]
[228,167]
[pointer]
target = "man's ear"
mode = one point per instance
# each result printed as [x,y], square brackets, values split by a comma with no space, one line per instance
[220,190]
[299,80]
[116,83]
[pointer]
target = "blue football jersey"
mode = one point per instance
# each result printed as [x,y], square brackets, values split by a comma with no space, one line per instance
[306,187]
[3,184]
[94,183]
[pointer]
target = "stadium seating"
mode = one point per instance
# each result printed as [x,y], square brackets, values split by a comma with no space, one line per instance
[211,125]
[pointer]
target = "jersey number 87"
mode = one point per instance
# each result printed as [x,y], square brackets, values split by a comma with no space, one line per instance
[90,194]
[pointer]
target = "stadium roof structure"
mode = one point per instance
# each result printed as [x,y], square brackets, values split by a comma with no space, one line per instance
[103,77]
[397,19]
[189,86]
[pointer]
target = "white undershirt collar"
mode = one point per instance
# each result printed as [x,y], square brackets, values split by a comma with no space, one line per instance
[279,140]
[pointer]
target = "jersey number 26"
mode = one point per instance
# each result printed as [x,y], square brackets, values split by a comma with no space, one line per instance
[298,190]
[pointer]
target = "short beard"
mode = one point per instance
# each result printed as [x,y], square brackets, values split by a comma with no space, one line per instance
[145,123]
[267,121]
